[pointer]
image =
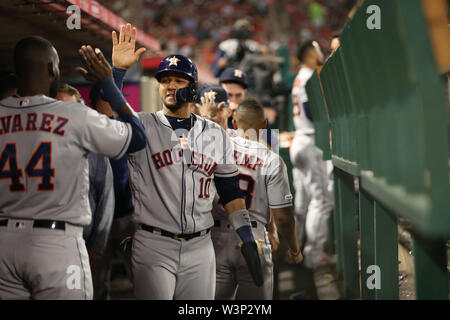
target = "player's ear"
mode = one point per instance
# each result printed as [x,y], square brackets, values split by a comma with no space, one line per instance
[51,70]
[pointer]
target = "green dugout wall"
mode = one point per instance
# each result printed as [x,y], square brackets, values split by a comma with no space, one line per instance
[381,116]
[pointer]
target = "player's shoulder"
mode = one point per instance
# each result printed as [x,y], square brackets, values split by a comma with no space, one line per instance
[153,119]
[252,146]
[44,104]
[28,102]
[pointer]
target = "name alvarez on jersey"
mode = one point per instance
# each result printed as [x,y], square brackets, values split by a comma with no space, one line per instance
[45,122]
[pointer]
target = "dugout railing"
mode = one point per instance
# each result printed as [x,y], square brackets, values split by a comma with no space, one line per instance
[381,116]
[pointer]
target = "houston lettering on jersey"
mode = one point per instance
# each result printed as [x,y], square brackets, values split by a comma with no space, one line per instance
[174,156]
[45,122]
[247,161]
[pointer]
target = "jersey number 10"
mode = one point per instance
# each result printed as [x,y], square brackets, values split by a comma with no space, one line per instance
[14,173]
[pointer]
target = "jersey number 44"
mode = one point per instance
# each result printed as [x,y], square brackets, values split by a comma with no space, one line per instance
[41,156]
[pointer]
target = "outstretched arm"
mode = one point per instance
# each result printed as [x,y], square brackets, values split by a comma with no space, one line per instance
[97,69]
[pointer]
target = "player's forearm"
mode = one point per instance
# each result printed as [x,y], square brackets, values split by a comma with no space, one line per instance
[285,223]
[114,96]
[240,219]
[272,227]
[119,75]
[235,205]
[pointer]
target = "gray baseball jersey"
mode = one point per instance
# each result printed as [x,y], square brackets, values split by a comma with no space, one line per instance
[299,97]
[263,180]
[43,162]
[171,179]
[173,190]
[44,145]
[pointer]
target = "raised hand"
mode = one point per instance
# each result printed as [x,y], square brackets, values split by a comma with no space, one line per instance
[97,69]
[124,55]
[207,107]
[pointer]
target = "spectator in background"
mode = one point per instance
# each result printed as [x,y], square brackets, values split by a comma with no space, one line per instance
[101,200]
[316,13]
[232,51]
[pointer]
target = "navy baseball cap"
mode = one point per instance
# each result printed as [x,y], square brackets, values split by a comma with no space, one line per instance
[234,75]
[220,94]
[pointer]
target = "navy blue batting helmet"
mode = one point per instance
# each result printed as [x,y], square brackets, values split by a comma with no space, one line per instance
[178,63]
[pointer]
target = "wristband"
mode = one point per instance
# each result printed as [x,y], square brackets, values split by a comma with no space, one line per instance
[112,94]
[246,234]
[240,218]
[119,75]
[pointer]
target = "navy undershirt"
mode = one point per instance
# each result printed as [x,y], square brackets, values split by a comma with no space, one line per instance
[181,123]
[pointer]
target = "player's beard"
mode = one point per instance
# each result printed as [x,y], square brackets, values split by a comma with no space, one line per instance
[54,87]
[173,106]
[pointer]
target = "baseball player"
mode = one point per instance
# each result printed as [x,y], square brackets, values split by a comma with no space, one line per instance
[263,180]
[173,181]
[235,82]
[101,200]
[44,173]
[215,106]
[314,199]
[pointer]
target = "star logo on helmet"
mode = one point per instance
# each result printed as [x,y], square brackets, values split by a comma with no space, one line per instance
[173,61]
[238,73]
[212,94]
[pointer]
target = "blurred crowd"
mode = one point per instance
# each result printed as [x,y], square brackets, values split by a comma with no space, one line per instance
[195,28]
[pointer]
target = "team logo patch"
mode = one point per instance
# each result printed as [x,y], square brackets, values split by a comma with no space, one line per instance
[184,142]
[238,73]
[211,94]
[173,61]
[24,102]
[288,197]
